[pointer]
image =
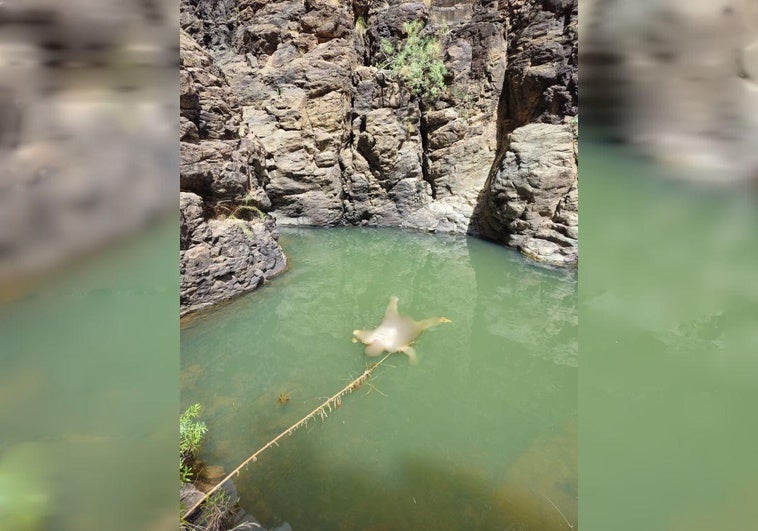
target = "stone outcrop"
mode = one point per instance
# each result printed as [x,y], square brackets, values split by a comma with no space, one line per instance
[418,163]
[228,245]
[222,258]
[531,198]
[231,516]
[336,138]
[87,151]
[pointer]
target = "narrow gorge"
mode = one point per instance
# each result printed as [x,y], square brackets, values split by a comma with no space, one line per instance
[289,116]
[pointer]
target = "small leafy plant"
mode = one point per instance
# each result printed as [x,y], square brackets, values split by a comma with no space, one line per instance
[360,26]
[191,433]
[417,61]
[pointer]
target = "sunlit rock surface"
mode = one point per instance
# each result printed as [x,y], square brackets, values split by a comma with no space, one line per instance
[533,197]
[222,258]
[678,80]
[87,135]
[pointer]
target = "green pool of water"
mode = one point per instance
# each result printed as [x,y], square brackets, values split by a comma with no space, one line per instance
[481,434]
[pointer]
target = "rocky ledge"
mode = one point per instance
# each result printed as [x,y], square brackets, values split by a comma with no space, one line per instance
[222,258]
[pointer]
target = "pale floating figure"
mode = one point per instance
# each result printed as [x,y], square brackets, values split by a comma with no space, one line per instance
[396,333]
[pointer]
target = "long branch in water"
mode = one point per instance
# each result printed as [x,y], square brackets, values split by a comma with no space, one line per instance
[333,402]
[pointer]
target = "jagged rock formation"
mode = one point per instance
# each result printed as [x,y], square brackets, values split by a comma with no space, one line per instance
[228,245]
[345,143]
[531,199]
[222,258]
[338,140]
[533,196]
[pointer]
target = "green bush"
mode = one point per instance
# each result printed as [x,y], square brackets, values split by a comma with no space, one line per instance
[191,433]
[185,472]
[417,61]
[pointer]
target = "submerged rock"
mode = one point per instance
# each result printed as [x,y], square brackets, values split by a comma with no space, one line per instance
[233,515]
[189,495]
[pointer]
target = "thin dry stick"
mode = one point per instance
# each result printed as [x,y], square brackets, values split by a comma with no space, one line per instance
[330,403]
[571,526]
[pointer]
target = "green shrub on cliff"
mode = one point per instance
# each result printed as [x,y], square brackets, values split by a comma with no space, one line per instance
[191,433]
[417,61]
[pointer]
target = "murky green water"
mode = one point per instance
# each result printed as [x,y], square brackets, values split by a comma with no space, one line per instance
[480,435]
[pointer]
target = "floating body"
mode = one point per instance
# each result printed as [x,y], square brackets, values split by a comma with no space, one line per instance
[396,333]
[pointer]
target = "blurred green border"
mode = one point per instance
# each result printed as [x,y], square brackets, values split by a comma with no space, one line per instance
[89,386]
[668,368]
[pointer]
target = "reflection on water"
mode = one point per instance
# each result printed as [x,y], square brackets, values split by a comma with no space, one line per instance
[480,435]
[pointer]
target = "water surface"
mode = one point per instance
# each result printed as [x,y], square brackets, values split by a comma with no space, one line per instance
[480,435]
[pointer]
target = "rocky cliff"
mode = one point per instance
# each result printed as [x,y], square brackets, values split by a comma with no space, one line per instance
[228,245]
[328,136]
[531,198]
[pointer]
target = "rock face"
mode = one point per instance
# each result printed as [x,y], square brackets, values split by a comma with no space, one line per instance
[228,245]
[531,198]
[222,258]
[340,141]
[231,514]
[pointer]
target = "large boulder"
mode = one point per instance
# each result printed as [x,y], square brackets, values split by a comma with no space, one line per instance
[533,195]
[530,200]
[223,258]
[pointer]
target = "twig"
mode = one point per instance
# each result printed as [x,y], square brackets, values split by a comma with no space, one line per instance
[375,389]
[571,526]
[320,411]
